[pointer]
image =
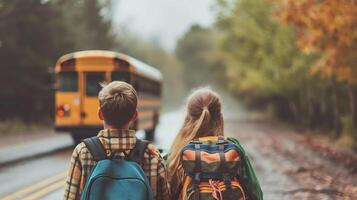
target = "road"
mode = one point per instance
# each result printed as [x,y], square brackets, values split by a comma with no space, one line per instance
[279,161]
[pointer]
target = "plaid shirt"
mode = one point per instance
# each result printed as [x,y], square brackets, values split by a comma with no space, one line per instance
[115,140]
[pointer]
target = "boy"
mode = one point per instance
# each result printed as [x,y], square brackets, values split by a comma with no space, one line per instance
[118,111]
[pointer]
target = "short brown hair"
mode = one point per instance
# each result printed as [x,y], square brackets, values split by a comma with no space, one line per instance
[118,101]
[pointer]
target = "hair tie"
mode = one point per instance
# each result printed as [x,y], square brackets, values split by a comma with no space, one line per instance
[205,108]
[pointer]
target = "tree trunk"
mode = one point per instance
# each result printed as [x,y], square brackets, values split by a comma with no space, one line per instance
[310,109]
[336,111]
[351,95]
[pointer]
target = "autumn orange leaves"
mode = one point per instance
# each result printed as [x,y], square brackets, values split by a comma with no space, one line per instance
[328,27]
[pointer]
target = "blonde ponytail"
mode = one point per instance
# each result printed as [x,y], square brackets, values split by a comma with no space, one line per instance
[203,118]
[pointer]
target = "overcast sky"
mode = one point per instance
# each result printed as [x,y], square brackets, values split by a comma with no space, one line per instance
[163,21]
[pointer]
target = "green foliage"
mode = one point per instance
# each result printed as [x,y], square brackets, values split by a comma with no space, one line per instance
[201,59]
[33,35]
[347,124]
[261,53]
[87,24]
[265,68]
[30,33]
[155,55]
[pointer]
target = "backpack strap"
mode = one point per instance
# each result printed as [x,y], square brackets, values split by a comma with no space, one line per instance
[95,148]
[137,154]
[197,170]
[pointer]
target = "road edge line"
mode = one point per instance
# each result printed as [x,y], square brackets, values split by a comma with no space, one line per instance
[37,186]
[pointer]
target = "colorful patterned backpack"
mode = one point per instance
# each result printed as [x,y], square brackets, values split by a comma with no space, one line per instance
[212,166]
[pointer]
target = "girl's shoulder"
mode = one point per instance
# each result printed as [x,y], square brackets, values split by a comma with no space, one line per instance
[237,143]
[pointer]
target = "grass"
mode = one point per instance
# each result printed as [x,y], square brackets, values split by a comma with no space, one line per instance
[18,126]
[323,136]
[346,140]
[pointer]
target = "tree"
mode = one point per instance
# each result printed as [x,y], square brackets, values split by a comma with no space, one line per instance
[260,52]
[265,67]
[198,52]
[31,38]
[327,27]
[34,34]
[88,23]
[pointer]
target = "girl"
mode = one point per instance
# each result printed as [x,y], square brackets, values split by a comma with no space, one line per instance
[203,118]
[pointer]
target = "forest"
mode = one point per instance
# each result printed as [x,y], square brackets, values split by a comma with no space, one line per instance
[295,59]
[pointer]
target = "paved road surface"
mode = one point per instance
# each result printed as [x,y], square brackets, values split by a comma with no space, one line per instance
[43,178]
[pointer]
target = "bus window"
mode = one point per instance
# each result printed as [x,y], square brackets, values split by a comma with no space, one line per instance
[93,83]
[121,76]
[68,81]
[147,86]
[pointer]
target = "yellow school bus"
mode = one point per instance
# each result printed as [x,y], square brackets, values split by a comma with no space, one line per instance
[78,76]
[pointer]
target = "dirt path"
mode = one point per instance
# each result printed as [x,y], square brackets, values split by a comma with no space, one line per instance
[289,169]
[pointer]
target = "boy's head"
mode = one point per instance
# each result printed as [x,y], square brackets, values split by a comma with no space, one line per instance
[117,103]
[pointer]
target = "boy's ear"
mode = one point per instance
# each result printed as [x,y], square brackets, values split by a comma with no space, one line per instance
[100,114]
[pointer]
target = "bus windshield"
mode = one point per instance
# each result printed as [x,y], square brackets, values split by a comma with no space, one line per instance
[67,81]
[121,76]
[93,83]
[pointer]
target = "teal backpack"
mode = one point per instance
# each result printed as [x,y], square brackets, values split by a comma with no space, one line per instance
[114,179]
